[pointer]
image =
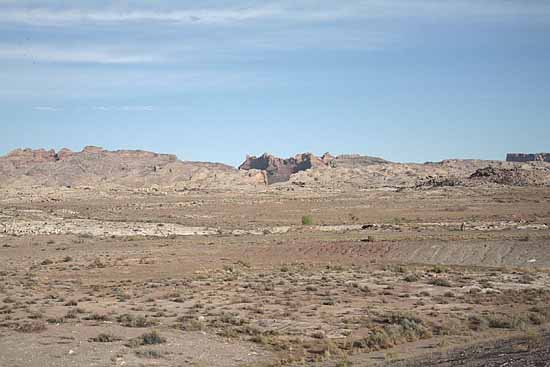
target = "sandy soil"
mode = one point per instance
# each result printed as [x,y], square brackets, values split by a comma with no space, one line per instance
[132,278]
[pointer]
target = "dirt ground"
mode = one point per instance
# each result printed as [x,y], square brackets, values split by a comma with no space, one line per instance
[438,277]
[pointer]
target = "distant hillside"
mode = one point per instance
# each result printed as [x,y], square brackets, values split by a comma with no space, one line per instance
[355,160]
[280,170]
[136,169]
[95,166]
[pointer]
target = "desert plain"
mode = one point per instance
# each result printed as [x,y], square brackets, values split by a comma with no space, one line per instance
[133,259]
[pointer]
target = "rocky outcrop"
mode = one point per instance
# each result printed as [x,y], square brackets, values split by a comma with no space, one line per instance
[95,166]
[22,157]
[64,154]
[513,177]
[327,158]
[355,160]
[531,157]
[280,170]
[436,182]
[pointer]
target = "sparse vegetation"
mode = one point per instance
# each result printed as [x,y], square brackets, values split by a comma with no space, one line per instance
[411,278]
[149,338]
[34,326]
[317,295]
[137,321]
[149,353]
[307,220]
[441,282]
[104,338]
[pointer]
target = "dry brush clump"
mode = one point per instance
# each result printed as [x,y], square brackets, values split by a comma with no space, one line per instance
[150,354]
[136,321]
[149,338]
[441,282]
[97,317]
[520,320]
[33,326]
[105,338]
[393,329]
[190,323]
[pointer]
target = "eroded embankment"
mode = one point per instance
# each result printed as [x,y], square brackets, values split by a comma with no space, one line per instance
[470,253]
[509,253]
[475,243]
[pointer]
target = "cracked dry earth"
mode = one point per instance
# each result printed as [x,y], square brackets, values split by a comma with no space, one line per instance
[443,277]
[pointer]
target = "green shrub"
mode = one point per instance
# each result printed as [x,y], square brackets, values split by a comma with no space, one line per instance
[307,220]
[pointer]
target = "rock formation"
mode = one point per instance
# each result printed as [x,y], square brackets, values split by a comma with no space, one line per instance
[278,169]
[513,177]
[355,160]
[95,166]
[524,157]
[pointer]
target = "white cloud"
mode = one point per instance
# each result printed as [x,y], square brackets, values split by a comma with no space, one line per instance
[137,108]
[47,108]
[44,53]
[62,17]
[127,108]
[123,108]
[323,10]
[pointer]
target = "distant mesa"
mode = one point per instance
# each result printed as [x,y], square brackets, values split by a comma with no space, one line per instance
[528,157]
[92,149]
[280,170]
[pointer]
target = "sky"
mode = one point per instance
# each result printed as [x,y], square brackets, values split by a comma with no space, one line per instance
[407,80]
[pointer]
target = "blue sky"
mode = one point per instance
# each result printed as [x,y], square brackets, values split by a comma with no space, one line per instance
[409,80]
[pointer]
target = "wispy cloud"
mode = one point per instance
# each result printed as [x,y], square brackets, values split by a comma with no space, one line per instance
[47,108]
[123,108]
[61,17]
[44,53]
[240,11]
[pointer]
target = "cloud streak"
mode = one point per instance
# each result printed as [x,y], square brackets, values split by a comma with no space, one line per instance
[47,108]
[280,10]
[123,108]
[46,16]
[45,53]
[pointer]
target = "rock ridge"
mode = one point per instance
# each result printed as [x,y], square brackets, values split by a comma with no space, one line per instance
[528,157]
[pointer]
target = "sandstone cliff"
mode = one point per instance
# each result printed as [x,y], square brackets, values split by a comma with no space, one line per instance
[136,169]
[95,166]
[528,157]
[280,170]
